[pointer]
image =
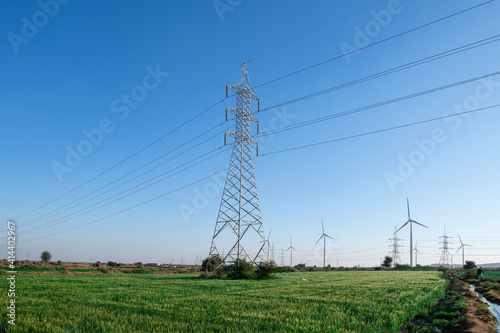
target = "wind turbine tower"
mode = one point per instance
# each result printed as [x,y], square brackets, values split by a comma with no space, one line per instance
[446,260]
[239,222]
[462,246]
[291,248]
[410,221]
[395,249]
[323,235]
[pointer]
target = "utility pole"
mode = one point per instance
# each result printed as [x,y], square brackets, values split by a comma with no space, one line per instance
[239,213]
[282,258]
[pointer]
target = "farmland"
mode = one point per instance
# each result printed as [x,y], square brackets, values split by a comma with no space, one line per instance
[297,302]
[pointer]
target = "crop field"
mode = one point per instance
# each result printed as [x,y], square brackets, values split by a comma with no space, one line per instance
[294,302]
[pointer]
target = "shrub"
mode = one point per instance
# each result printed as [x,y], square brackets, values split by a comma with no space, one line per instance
[266,270]
[240,270]
[470,274]
[104,270]
[469,264]
[300,267]
[209,265]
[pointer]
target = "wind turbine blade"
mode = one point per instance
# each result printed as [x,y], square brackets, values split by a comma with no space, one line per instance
[319,239]
[328,236]
[269,236]
[460,240]
[408,205]
[395,232]
[459,249]
[418,251]
[419,224]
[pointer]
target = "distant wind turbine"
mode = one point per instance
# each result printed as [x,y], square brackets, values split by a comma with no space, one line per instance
[323,235]
[291,248]
[410,221]
[416,251]
[462,246]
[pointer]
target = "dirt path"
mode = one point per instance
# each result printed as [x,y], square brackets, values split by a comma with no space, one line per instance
[479,318]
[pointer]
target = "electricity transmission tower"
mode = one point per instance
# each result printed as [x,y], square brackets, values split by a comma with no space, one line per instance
[395,249]
[446,260]
[239,222]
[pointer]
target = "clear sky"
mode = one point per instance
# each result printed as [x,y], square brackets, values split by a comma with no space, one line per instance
[92,90]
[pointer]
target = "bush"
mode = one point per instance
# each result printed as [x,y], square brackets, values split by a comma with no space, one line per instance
[470,274]
[209,265]
[469,264]
[240,270]
[104,270]
[399,267]
[285,269]
[300,267]
[266,270]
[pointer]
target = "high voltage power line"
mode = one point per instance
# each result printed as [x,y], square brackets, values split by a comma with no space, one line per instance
[220,77]
[371,106]
[387,72]
[374,44]
[191,119]
[122,197]
[380,131]
[422,61]
[265,83]
[126,209]
[131,172]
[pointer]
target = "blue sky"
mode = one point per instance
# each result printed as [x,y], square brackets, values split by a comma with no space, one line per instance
[110,78]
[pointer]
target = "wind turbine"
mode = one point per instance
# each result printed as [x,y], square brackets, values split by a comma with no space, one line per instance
[291,248]
[410,221]
[462,246]
[323,235]
[416,251]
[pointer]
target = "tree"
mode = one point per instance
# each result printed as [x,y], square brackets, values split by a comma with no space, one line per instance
[46,256]
[387,262]
[469,264]
[139,265]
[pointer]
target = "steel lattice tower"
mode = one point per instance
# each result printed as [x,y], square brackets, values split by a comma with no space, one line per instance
[239,223]
[395,249]
[446,260]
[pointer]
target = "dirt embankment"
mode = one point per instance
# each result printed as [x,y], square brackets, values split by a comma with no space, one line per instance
[479,318]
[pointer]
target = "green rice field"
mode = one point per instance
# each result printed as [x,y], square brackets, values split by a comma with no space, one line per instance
[354,301]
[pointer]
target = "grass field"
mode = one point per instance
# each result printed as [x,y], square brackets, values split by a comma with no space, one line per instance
[328,301]
[487,274]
